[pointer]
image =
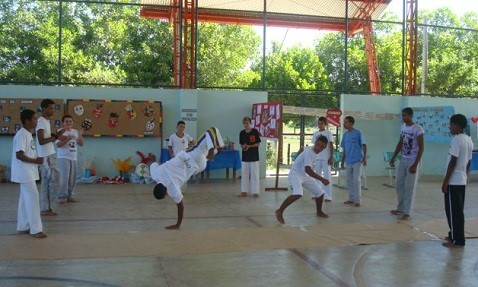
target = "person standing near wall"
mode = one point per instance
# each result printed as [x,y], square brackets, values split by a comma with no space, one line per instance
[25,171]
[249,139]
[460,153]
[179,141]
[354,156]
[323,164]
[411,145]
[49,171]
[67,154]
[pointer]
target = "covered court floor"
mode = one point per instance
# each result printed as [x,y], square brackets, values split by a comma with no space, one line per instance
[115,236]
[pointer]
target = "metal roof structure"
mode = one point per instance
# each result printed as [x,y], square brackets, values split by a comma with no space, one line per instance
[349,16]
[310,14]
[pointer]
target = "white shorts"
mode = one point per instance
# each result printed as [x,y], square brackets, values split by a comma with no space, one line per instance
[298,182]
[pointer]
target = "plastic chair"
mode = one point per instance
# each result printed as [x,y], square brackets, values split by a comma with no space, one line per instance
[387,156]
[363,175]
[337,155]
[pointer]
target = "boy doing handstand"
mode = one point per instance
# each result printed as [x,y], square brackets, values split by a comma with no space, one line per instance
[173,174]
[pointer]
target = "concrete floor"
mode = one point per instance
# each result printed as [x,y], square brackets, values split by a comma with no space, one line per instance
[115,237]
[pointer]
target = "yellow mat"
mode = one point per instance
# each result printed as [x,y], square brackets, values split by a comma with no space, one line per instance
[170,243]
[439,228]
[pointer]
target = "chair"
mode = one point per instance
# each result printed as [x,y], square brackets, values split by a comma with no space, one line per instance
[387,156]
[363,175]
[337,155]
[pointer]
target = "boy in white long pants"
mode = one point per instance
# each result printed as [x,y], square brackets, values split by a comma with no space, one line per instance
[25,171]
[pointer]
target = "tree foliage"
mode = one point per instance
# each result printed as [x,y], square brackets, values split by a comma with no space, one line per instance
[111,44]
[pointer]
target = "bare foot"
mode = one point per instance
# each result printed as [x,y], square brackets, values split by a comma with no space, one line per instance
[172,227]
[39,235]
[279,217]
[256,195]
[322,214]
[243,194]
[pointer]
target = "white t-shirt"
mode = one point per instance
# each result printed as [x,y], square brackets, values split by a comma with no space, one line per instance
[461,146]
[70,149]
[179,143]
[306,158]
[174,173]
[409,135]
[49,148]
[23,172]
[325,154]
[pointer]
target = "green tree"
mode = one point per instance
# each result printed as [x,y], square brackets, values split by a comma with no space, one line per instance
[224,53]
[452,58]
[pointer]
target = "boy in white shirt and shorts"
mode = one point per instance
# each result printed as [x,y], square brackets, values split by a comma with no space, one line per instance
[302,175]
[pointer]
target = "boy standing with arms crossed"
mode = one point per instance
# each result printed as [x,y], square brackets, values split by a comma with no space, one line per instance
[49,171]
[67,154]
[25,171]
[454,184]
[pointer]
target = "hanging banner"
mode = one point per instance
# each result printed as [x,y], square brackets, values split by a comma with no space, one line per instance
[267,119]
[333,117]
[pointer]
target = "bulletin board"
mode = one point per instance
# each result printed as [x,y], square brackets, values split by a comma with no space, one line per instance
[10,110]
[117,118]
[435,122]
[267,119]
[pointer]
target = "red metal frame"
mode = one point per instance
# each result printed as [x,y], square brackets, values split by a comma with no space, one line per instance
[411,49]
[185,19]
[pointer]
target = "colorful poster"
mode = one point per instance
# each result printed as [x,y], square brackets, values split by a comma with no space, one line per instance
[435,122]
[267,119]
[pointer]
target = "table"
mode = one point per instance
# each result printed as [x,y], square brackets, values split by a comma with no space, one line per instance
[474,161]
[225,159]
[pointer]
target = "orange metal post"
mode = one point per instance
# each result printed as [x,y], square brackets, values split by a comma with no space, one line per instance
[411,49]
[373,72]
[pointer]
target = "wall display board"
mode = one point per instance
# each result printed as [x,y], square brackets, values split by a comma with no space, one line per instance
[117,118]
[10,110]
[267,119]
[435,122]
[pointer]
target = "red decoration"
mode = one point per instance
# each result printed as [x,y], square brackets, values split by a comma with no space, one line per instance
[267,119]
[333,117]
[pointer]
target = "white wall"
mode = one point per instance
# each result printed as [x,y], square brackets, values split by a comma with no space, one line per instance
[223,109]
[383,135]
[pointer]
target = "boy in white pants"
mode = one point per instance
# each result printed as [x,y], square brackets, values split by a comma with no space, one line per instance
[25,171]
[173,174]
[249,138]
[324,161]
[302,175]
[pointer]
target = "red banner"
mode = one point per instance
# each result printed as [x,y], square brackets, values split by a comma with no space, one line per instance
[333,117]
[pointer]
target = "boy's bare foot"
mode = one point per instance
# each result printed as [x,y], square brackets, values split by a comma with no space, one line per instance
[172,227]
[243,194]
[279,217]
[256,195]
[39,235]
[48,212]
[322,214]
